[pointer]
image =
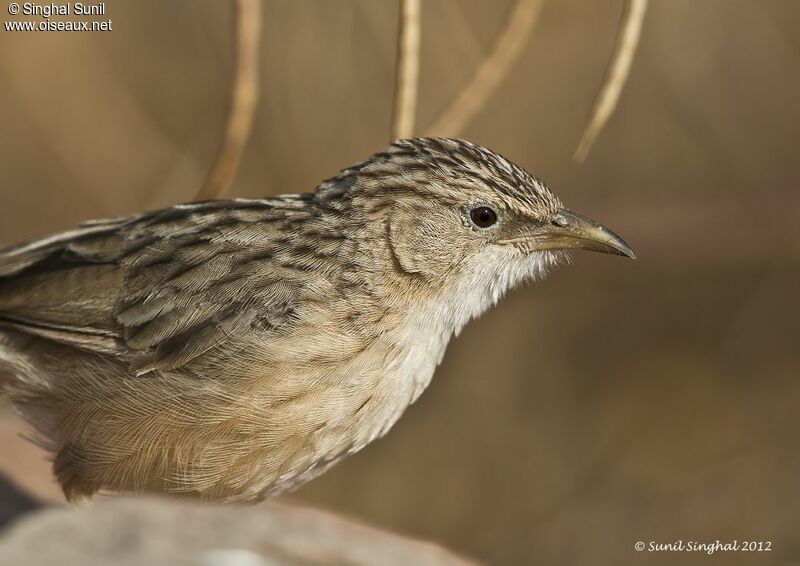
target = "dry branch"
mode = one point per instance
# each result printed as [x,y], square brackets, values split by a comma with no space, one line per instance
[244,96]
[452,120]
[406,70]
[616,76]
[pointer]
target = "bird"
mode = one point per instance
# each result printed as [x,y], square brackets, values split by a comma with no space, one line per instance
[232,350]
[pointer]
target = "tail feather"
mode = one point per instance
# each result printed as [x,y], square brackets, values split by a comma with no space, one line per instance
[18,372]
[6,366]
[19,257]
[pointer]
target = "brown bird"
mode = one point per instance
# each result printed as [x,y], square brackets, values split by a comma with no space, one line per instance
[236,349]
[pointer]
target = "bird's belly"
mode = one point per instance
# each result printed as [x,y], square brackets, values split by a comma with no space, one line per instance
[360,405]
[252,434]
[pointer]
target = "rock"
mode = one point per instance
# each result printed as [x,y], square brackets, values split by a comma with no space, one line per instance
[133,531]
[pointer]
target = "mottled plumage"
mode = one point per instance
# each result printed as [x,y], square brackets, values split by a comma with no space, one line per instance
[235,349]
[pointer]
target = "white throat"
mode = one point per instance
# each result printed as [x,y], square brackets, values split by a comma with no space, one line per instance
[482,283]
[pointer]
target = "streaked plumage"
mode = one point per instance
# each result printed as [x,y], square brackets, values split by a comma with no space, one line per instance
[235,349]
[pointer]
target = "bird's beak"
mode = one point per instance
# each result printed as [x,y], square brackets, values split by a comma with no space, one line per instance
[569,230]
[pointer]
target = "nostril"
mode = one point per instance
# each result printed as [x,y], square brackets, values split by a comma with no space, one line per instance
[559,220]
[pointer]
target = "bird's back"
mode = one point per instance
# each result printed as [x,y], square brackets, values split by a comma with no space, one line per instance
[227,349]
[142,287]
[161,351]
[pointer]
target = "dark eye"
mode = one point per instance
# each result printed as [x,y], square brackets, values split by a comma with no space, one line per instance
[483,216]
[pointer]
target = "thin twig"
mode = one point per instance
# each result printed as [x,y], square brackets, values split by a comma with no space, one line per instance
[244,97]
[616,76]
[452,120]
[407,70]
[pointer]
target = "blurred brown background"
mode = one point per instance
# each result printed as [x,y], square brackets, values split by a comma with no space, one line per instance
[617,401]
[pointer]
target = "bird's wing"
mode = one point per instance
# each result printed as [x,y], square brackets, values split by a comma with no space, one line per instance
[157,289]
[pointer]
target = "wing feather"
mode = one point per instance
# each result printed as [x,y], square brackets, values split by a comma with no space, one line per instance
[158,289]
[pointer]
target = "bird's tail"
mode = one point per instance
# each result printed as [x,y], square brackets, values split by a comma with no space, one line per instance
[14,364]
[6,370]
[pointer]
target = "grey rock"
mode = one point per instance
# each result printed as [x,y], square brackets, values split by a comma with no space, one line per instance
[142,531]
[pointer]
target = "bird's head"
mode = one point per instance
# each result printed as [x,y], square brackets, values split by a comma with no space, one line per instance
[452,211]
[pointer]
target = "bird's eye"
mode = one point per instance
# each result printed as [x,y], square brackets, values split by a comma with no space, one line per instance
[483,216]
